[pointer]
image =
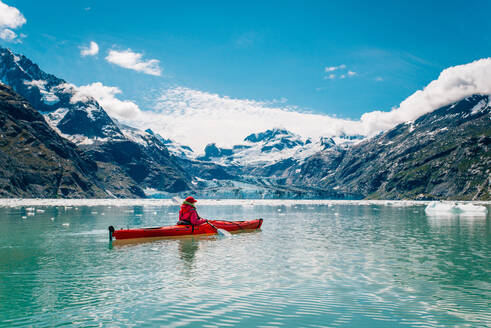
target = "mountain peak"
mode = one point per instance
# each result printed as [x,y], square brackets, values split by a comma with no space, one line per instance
[267,135]
[73,114]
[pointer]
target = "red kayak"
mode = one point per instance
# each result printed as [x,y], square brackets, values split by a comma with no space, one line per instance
[185,230]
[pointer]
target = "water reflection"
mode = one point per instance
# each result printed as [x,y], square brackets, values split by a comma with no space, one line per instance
[187,248]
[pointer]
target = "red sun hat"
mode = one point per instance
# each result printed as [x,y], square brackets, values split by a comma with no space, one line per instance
[190,199]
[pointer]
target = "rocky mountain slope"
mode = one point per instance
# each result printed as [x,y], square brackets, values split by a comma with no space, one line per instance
[36,161]
[445,154]
[140,157]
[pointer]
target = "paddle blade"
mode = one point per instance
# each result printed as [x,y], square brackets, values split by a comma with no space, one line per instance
[224,233]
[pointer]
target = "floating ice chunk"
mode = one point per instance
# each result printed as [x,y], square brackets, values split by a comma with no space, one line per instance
[441,208]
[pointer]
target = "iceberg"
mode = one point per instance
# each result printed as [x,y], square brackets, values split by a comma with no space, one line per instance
[449,208]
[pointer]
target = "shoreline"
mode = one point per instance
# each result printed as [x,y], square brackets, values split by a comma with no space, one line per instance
[19,202]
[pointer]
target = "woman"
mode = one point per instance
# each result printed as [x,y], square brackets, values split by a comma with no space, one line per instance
[188,214]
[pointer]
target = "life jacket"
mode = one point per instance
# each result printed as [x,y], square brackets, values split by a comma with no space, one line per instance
[185,211]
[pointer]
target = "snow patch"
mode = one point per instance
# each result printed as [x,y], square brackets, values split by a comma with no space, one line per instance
[55,117]
[40,84]
[479,107]
[432,133]
[91,109]
[411,126]
[135,135]
[47,96]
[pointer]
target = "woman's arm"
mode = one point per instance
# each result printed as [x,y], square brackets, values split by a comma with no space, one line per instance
[195,220]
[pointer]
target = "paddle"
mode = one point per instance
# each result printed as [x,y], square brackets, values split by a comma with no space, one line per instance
[220,232]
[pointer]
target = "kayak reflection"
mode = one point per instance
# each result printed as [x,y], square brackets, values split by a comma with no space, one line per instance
[187,251]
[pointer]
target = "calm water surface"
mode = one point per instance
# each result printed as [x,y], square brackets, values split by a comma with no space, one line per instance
[309,266]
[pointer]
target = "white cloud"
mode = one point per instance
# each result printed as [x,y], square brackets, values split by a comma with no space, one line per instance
[196,118]
[334,68]
[7,35]
[106,97]
[132,60]
[342,67]
[453,84]
[91,50]
[10,18]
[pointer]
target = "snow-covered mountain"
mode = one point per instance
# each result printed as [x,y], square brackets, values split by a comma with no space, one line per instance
[78,118]
[140,156]
[268,147]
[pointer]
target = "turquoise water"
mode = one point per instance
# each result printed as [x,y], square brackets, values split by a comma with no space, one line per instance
[309,266]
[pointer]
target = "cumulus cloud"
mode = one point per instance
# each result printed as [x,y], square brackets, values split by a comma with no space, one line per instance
[453,84]
[91,50]
[124,110]
[10,18]
[133,60]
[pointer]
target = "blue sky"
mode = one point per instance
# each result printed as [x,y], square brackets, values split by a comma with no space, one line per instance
[260,50]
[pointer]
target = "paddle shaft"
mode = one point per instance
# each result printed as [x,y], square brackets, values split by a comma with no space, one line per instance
[212,226]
